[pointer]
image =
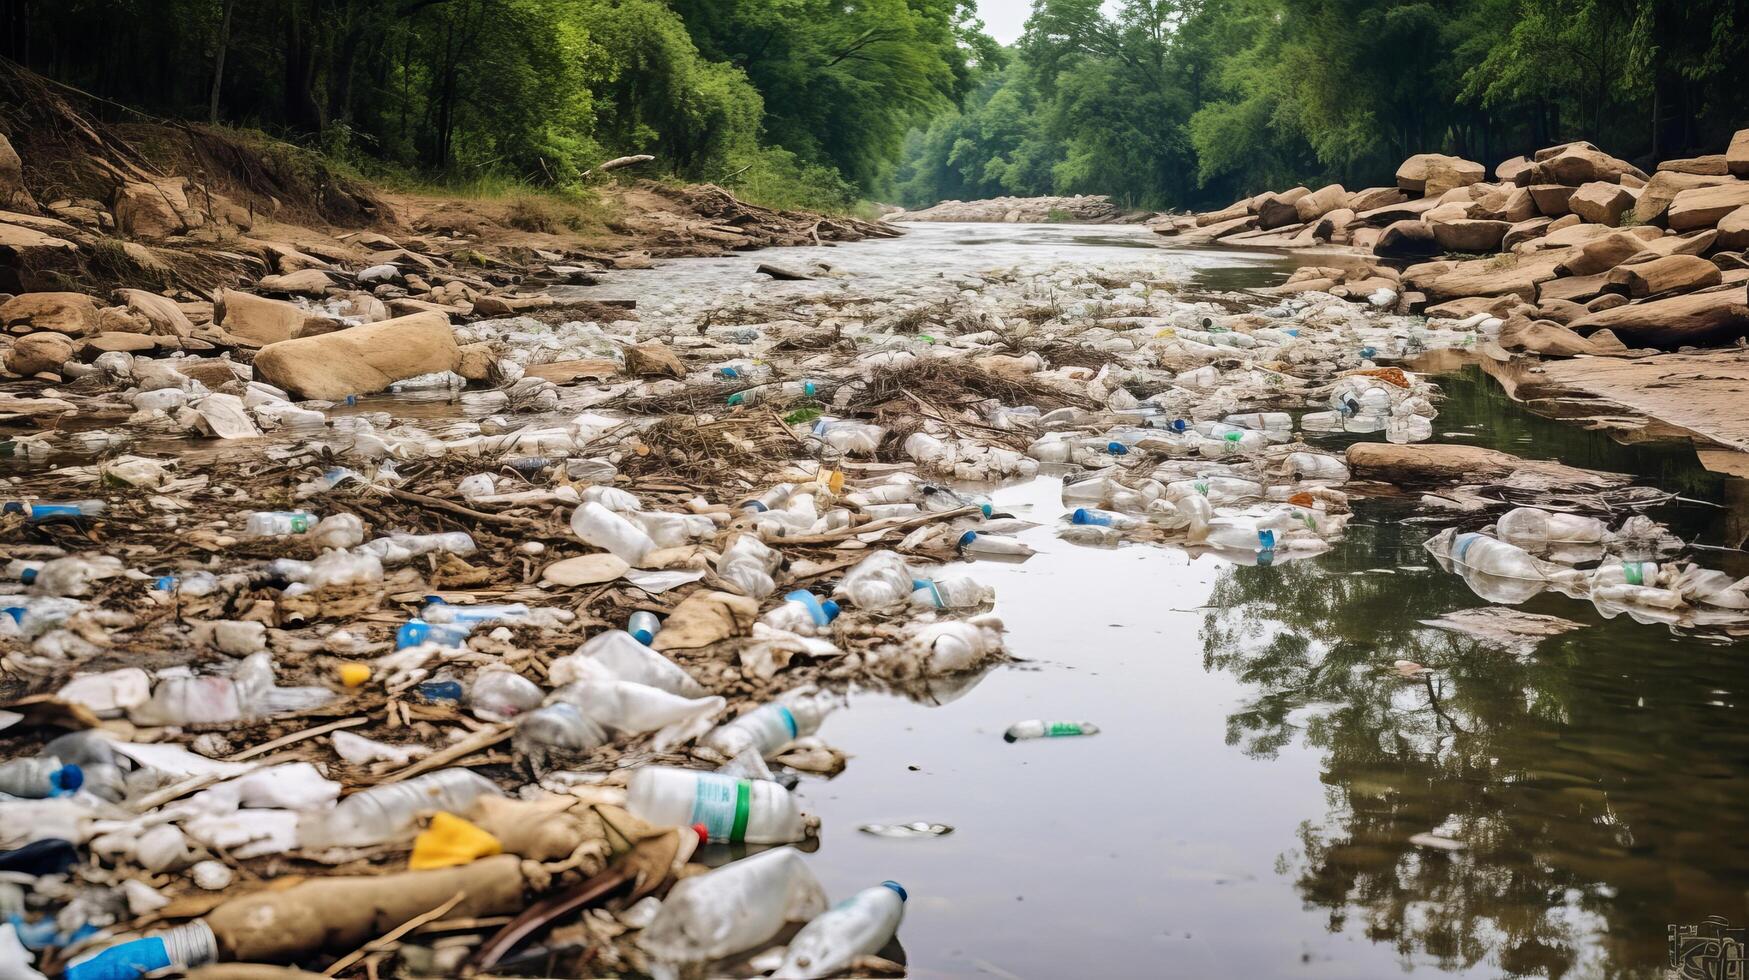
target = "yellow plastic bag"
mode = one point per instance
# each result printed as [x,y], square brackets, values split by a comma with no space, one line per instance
[450,841]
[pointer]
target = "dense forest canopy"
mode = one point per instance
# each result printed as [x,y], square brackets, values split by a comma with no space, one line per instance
[1157,102]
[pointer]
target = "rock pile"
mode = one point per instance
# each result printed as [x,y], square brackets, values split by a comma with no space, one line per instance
[1576,250]
[1085,209]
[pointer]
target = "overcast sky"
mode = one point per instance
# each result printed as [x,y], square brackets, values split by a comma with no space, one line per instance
[1004,19]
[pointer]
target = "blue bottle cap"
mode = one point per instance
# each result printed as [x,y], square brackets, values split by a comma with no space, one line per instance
[165,583]
[808,388]
[1117,449]
[1080,515]
[12,507]
[435,600]
[1266,540]
[735,399]
[968,538]
[441,690]
[1367,352]
[830,608]
[986,509]
[412,633]
[67,779]
[351,399]
[16,612]
[1178,425]
[27,576]
[899,889]
[643,636]
[729,372]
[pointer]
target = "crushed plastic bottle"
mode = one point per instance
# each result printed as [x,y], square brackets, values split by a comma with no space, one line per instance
[39,778]
[734,908]
[994,546]
[803,613]
[877,582]
[596,525]
[769,727]
[390,812]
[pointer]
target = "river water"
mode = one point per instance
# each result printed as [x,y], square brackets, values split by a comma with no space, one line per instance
[1247,807]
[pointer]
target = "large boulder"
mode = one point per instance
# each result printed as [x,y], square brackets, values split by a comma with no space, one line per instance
[1407,240]
[1469,234]
[154,209]
[1661,190]
[1579,165]
[1671,273]
[1280,210]
[360,360]
[13,195]
[304,282]
[1508,170]
[1737,156]
[39,352]
[1542,337]
[1703,207]
[1432,174]
[259,320]
[1321,202]
[1602,254]
[1524,231]
[1548,152]
[1706,166]
[1551,199]
[1334,225]
[1509,204]
[1429,463]
[1572,289]
[165,317]
[1375,197]
[1691,319]
[1601,202]
[1734,229]
[74,314]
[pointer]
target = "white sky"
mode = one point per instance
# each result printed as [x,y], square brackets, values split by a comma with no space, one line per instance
[1004,19]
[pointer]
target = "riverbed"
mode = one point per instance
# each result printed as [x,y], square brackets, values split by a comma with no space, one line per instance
[1247,807]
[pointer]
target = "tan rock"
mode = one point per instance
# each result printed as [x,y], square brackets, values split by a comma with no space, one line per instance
[1494,278]
[1672,273]
[1333,227]
[1737,156]
[1280,210]
[260,320]
[1692,243]
[1708,166]
[39,352]
[1524,231]
[160,312]
[1573,289]
[1422,273]
[1551,199]
[1509,204]
[152,209]
[1430,463]
[1606,342]
[1407,240]
[132,343]
[1469,235]
[287,258]
[1600,202]
[1562,311]
[1607,301]
[1564,222]
[654,358]
[13,195]
[1452,211]
[1468,306]
[474,361]
[1239,210]
[1602,254]
[304,282]
[1432,174]
[1364,239]
[214,372]
[363,307]
[361,360]
[1577,165]
[1321,202]
[1375,197]
[1662,189]
[1508,170]
[120,319]
[1690,319]
[1704,207]
[1734,229]
[74,314]
[1541,337]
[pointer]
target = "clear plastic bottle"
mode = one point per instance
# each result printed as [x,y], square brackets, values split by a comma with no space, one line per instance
[858,926]
[596,525]
[278,523]
[416,631]
[617,655]
[39,778]
[771,499]
[1104,518]
[643,626]
[1534,528]
[749,564]
[188,945]
[33,616]
[389,812]
[737,907]
[1625,573]
[74,575]
[398,549]
[667,530]
[802,613]
[994,545]
[499,694]
[438,611]
[1048,729]
[958,592]
[957,645]
[850,437]
[877,582]
[733,810]
[770,727]
[44,510]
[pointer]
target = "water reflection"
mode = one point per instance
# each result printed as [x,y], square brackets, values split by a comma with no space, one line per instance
[1599,787]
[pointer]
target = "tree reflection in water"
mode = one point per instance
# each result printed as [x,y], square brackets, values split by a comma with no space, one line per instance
[1600,786]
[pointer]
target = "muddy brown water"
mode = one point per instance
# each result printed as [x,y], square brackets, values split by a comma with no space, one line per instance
[1247,808]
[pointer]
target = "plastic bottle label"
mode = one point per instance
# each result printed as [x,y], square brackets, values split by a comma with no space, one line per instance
[1633,574]
[1059,728]
[722,804]
[300,523]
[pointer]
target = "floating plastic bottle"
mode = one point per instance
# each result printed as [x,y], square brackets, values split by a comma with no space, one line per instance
[389,812]
[769,727]
[957,592]
[643,626]
[278,523]
[737,907]
[583,716]
[39,778]
[749,563]
[1048,729]
[994,545]
[1534,528]
[803,613]
[858,926]
[1104,518]
[877,582]
[730,809]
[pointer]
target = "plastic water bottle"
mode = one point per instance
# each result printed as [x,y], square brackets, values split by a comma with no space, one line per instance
[1104,518]
[604,709]
[385,813]
[939,499]
[958,592]
[748,562]
[186,945]
[803,613]
[1532,527]
[995,545]
[858,926]
[1625,573]
[846,436]
[736,907]
[74,575]
[730,809]
[39,778]
[616,655]
[1048,729]
[771,499]
[770,727]
[438,611]
[878,581]
[500,695]
[596,525]
[278,523]
[43,510]
[416,631]
[643,626]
